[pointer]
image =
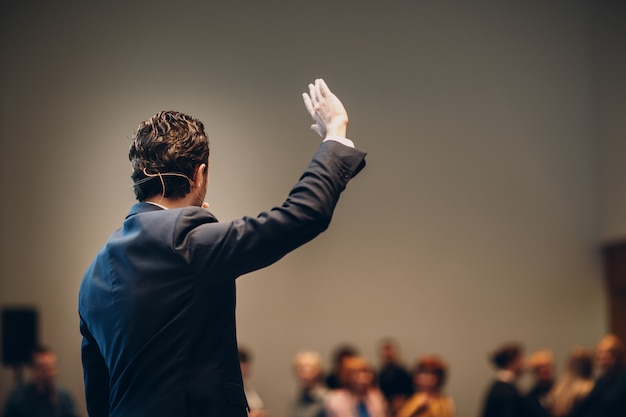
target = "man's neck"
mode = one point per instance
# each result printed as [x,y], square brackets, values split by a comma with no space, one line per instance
[506,375]
[170,203]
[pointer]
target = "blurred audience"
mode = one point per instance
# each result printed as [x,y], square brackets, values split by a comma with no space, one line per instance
[541,365]
[429,375]
[608,396]
[359,397]
[309,400]
[503,398]
[352,389]
[341,354]
[42,396]
[394,380]
[574,385]
[255,404]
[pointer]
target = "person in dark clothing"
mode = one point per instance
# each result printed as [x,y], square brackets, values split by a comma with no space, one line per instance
[394,380]
[42,397]
[503,398]
[538,398]
[608,396]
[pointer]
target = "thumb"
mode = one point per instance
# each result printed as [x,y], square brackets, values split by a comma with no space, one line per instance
[316,128]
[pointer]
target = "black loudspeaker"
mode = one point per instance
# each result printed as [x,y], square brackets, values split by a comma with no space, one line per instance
[19,335]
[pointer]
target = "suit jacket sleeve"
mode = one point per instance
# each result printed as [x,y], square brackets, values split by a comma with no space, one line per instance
[234,248]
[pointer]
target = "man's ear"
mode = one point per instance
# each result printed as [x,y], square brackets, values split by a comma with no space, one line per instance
[200,177]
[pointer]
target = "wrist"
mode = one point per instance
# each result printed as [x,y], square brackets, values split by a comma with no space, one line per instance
[340,139]
[339,128]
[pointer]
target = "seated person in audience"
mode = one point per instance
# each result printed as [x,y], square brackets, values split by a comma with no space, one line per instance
[359,397]
[429,375]
[309,401]
[42,397]
[255,404]
[394,380]
[333,380]
[541,364]
[503,398]
[608,396]
[574,385]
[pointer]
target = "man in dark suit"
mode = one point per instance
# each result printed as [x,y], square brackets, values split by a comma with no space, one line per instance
[157,305]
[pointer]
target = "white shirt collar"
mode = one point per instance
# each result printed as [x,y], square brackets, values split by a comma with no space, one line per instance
[156,204]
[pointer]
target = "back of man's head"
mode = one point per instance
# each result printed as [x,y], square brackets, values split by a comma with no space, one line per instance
[506,355]
[165,153]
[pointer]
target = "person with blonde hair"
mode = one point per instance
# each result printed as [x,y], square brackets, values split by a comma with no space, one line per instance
[574,385]
[309,400]
[608,396]
[429,375]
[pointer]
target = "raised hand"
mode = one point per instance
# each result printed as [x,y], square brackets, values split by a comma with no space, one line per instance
[331,118]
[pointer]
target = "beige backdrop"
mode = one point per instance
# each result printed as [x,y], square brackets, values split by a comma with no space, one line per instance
[495,134]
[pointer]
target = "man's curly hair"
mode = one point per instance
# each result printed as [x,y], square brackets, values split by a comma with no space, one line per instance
[169,142]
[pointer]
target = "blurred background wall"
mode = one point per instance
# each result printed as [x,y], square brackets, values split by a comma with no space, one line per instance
[495,133]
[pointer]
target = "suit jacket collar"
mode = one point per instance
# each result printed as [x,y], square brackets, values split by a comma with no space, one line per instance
[139,208]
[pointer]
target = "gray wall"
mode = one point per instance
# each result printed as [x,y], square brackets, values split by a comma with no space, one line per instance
[494,136]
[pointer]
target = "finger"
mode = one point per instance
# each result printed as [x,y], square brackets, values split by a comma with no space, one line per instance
[308,104]
[318,89]
[313,93]
[324,90]
[316,129]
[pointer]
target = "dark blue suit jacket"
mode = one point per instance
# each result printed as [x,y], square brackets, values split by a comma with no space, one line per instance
[157,305]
